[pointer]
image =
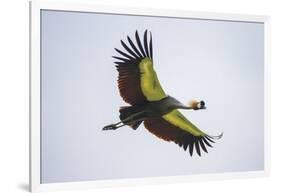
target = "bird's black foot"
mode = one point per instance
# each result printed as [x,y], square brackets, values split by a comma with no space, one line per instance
[110,127]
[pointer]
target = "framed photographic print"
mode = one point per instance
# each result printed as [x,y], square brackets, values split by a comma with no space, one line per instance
[129,96]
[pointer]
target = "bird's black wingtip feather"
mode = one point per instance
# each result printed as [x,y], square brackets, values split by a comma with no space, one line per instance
[203,146]
[190,150]
[206,142]
[197,148]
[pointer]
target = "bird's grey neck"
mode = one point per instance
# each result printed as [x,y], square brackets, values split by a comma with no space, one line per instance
[183,107]
[175,103]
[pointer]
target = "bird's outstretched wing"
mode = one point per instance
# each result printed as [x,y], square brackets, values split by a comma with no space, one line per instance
[137,80]
[175,127]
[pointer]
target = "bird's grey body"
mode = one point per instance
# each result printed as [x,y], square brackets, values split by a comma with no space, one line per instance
[150,109]
[134,115]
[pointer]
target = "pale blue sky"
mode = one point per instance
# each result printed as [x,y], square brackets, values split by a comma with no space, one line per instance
[219,62]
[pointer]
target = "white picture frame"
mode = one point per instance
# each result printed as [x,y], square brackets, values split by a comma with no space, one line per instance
[37,6]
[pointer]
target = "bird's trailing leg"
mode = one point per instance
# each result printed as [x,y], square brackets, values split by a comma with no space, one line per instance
[134,123]
[113,126]
[121,124]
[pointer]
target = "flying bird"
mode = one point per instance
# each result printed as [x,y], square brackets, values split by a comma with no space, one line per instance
[149,104]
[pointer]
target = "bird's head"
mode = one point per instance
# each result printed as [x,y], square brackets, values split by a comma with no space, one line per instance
[196,105]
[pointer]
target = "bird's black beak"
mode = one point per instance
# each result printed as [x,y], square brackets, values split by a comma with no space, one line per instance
[202,105]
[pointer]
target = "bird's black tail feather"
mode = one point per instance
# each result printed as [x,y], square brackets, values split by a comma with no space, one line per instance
[127,111]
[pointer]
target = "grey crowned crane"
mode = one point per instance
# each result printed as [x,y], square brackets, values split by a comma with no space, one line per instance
[139,86]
